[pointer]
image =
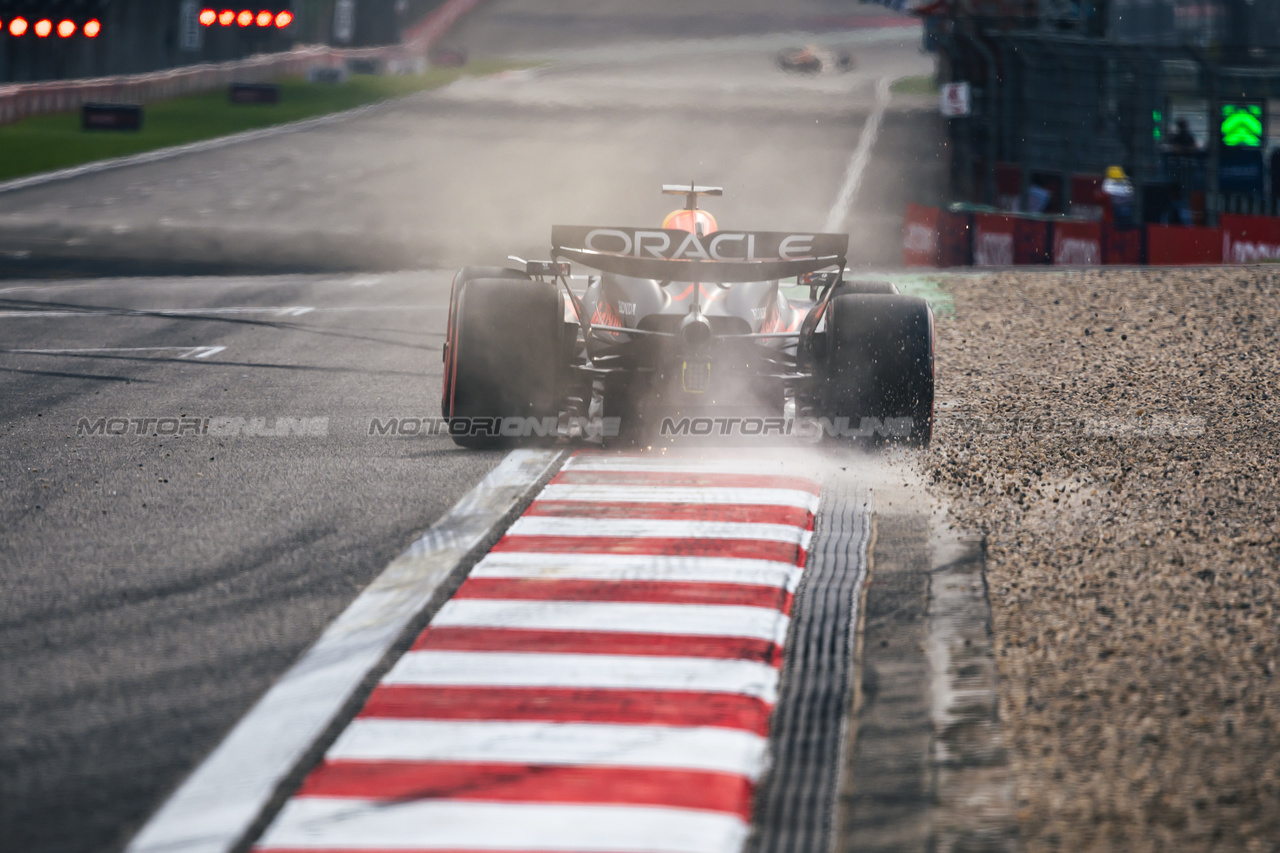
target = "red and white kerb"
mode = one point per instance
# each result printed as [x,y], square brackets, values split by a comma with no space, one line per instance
[601,683]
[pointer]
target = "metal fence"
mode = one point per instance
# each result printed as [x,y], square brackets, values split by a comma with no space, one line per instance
[1050,102]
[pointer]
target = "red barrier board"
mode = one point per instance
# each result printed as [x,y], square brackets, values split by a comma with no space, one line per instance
[1030,241]
[1088,201]
[1249,239]
[1121,246]
[920,236]
[1077,244]
[993,239]
[1008,185]
[1177,245]
[954,247]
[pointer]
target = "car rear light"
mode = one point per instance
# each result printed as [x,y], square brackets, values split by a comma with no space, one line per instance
[66,29]
[43,27]
[245,18]
[264,19]
[92,28]
[18,27]
[284,19]
[208,17]
[226,17]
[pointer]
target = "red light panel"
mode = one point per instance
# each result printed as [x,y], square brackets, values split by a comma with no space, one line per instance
[18,27]
[208,17]
[66,29]
[92,28]
[43,27]
[245,18]
[264,19]
[284,19]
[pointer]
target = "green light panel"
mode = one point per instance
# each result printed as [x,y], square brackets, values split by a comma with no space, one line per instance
[1242,125]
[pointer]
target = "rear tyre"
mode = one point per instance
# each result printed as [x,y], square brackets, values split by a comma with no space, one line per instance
[883,287]
[463,276]
[879,364]
[503,351]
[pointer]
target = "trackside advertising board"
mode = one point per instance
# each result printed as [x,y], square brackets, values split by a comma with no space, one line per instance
[1249,239]
[1173,245]
[942,238]
[920,236]
[993,238]
[1077,244]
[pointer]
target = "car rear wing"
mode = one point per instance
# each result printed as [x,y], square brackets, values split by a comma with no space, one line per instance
[721,257]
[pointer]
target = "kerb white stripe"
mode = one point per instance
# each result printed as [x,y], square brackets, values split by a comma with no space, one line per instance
[703,620]
[553,525]
[679,495]
[714,749]
[633,567]
[320,823]
[584,671]
[660,464]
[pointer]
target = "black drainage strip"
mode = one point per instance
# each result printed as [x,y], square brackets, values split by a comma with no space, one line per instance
[796,801]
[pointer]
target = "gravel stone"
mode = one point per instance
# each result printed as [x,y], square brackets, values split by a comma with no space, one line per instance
[1114,435]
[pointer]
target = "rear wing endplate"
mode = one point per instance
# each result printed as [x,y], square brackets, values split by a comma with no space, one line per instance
[721,257]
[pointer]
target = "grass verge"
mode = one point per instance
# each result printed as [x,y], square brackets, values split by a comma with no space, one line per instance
[914,86]
[48,142]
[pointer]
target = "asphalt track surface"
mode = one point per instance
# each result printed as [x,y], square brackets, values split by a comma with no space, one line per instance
[155,586]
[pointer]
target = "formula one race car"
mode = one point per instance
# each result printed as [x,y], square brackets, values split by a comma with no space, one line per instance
[686,319]
[812,59]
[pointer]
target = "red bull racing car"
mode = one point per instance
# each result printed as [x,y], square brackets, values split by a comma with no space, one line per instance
[678,321]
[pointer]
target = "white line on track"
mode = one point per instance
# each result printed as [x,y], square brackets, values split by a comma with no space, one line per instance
[204,284]
[858,162]
[711,748]
[225,794]
[451,825]
[184,352]
[281,311]
[698,620]
[585,671]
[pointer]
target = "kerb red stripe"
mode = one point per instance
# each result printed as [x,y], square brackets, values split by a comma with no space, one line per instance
[407,850]
[673,478]
[741,513]
[747,549]
[652,592]
[531,783]
[569,705]
[451,639]
[412,850]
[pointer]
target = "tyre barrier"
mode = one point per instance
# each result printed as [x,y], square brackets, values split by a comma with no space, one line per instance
[956,237]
